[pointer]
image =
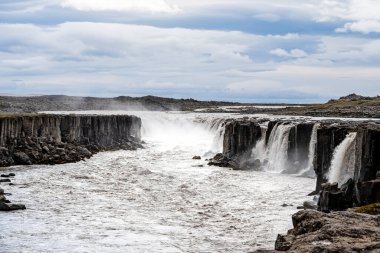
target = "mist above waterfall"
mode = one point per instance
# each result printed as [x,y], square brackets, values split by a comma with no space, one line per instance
[177,131]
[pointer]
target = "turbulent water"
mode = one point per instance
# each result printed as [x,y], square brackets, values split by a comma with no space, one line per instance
[156,199]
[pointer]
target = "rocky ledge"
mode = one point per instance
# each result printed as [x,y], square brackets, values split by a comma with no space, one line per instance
[336,232]
[5,204]
[53,139]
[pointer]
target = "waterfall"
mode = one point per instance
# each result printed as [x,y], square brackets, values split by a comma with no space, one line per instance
[276,150]
[217,126]
[309,170]
[259,151]
[342,164]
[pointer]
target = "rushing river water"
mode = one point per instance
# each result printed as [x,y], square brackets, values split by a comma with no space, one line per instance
[156,199]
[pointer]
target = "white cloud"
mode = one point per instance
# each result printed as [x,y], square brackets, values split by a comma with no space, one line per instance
[255,86]
[363,26]
[114,59]
[362,15]
[294,53]
[121,5]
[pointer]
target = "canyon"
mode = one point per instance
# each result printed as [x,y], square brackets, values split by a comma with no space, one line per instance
[339,155]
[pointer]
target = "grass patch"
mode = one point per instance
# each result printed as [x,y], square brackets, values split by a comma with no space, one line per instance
[373,209]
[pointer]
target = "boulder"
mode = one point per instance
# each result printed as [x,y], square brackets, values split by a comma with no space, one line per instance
[334,232]
[310,205]
[333,198]
[221,160]
[6,207]
[83,152]
[22,158]
[197,157]
[3,198]
[45,150]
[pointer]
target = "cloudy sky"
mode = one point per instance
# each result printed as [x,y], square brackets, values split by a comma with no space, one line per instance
[240,50]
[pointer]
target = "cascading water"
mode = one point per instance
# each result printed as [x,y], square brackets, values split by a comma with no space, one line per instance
[179,131]
[309,170]
[259,151]
[276,149]
[217,126]
[343,161]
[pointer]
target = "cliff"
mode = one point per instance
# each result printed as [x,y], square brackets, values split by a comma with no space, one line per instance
[343,153]
[240,136]
[361,165]
[51,139]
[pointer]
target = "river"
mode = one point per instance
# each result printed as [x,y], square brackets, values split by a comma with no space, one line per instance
[156,199]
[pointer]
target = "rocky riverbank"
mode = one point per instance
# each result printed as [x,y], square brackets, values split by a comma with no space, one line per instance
[53,139]
[336,232]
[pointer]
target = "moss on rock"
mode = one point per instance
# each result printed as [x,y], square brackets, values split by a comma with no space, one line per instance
[373,209]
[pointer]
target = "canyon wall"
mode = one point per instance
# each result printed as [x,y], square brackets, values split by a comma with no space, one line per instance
[52,139]
[240,136]
[344,156]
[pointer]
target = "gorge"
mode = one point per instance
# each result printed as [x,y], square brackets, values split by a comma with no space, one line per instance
[293,152]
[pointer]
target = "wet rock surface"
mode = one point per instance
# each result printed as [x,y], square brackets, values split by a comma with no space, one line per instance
[363,187]
[220,160]
[5,204]
[52,139]
[240,136]
[334,232]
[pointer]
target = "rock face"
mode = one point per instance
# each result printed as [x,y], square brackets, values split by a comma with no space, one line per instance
[294,139]
[365,188]
[240,137]
[52,139]
[298,146]
[328,138]
[335,232]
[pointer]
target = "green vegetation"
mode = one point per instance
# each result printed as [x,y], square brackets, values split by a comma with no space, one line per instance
[373,209]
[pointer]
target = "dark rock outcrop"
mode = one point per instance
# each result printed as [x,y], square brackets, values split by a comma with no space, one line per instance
[333,198]
[221,160]
[331,233]
[298,147]
[364,187]
[328,138]
[240,136]
[53,139]
[6,206]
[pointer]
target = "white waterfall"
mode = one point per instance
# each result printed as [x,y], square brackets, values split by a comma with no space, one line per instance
[309,170]
[343,161]
[277,147]
[259,151]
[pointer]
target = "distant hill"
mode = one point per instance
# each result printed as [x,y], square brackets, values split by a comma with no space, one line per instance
[32,104]
[353,100]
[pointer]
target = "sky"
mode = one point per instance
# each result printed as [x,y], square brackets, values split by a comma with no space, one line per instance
[298,51]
